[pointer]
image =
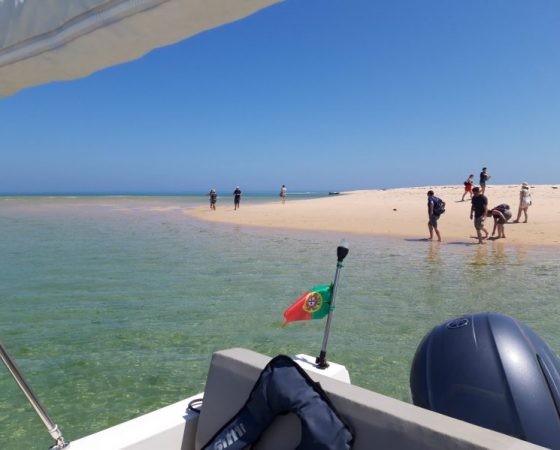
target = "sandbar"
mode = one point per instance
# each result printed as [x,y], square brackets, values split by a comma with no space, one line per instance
[400,212]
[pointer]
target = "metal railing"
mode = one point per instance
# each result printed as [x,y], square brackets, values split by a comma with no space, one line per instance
[26,389]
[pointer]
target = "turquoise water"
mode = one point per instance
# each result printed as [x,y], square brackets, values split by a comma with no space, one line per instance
[112,306]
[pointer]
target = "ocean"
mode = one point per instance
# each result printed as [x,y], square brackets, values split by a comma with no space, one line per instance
[112,305]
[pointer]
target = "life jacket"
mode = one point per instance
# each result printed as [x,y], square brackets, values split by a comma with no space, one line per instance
[283,387]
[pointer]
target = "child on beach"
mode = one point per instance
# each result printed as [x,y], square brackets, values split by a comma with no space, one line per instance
[479,209]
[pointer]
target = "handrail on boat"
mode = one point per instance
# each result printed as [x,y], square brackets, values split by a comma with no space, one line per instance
[26,389]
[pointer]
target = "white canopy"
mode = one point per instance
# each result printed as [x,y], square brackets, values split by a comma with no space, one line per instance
[48,40]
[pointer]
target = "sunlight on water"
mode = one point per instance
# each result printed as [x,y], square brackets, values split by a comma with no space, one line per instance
[112,306]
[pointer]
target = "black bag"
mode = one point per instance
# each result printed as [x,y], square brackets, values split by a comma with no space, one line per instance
[284,387]
[439,206]
[505,210]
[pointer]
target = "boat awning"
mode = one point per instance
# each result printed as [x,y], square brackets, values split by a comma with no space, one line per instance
[49,40]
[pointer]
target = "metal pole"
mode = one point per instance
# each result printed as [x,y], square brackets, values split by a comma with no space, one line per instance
[341,251]
[26,389]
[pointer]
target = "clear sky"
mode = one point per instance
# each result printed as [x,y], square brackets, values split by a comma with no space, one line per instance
[315,94]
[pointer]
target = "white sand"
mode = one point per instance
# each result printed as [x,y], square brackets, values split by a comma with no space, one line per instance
[401,212]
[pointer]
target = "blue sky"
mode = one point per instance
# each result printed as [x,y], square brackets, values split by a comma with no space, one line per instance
[315,94]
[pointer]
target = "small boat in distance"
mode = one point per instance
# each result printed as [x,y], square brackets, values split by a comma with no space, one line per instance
[334,193]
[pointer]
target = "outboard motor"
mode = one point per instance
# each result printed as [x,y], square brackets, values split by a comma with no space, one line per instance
[493,371]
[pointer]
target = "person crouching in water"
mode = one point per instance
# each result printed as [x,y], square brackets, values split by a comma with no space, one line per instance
[479,209]
[501,215]
[432,216]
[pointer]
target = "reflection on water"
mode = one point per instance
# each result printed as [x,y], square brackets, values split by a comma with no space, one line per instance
[434,253]
[113,306]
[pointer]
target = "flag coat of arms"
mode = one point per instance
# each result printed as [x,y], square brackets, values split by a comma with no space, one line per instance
[314,304]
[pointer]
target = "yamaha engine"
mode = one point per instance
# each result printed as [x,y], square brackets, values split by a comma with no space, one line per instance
[493,371]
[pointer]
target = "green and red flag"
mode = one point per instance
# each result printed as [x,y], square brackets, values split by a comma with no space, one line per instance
[314,304]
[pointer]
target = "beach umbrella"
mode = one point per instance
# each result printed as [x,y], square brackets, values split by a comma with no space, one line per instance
[50,40]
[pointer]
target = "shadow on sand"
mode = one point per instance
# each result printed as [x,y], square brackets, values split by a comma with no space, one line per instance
[444,242]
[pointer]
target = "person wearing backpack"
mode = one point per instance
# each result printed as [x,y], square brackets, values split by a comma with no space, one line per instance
[501,215]
[435,209]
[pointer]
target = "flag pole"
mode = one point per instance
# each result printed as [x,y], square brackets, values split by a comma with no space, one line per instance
[341,252]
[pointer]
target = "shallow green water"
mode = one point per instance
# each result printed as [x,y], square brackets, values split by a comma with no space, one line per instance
[112,306]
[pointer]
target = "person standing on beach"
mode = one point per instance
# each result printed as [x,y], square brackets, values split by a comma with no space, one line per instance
[484,177]
[283,192]
[525,201]
[236,198]
[213,197]
[432,216]
[468,186]
[479,208]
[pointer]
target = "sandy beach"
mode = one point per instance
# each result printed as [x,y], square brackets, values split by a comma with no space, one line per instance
[401,213]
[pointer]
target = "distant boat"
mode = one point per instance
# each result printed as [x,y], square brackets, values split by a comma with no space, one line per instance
[334,193]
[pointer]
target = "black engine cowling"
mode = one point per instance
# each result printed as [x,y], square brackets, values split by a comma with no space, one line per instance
[490,370]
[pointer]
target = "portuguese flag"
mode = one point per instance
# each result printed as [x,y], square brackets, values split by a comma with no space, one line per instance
[314,304]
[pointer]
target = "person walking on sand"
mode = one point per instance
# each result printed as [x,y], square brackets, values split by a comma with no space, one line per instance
[213,197]
[236,198]
[468,186]
[433,216]
[484,177]
[525,201]
[283,192]
[479,208]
